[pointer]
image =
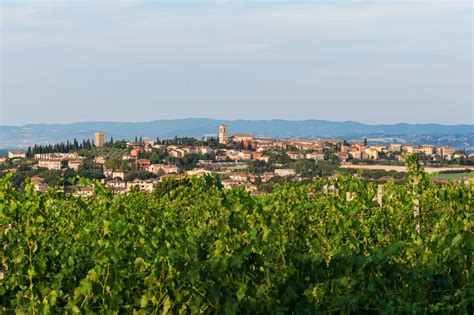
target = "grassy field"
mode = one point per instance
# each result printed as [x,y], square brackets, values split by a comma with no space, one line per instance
[454,176]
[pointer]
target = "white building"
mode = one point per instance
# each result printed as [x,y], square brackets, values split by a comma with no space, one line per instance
[427,149]
[120,174]
[296,155]
[142,185]
[243,137]
[51,164]
[16,154]
[284,172]
[100,160]
[315,156]
[63,156]
[162,169]
[239,177]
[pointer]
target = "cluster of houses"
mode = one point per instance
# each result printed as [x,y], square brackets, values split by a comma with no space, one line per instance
[226,161]
[59,161]
[360,151]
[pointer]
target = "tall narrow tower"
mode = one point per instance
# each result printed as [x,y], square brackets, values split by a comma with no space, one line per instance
[99,139]
[223,134]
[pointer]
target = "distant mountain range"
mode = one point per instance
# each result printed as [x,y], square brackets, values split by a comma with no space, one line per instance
[22,136]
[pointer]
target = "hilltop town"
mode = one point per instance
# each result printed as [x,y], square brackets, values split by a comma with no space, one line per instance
[255,163]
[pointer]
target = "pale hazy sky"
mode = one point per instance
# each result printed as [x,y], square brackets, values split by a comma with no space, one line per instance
[369,61]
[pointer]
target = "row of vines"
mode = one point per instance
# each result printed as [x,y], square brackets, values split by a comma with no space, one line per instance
[198,248]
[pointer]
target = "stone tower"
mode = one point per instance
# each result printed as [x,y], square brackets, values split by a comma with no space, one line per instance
[223,134]
[99,139]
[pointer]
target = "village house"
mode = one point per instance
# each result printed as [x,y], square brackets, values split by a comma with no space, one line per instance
[51,164]
[134,153]
[245,155]
[239,177]
[115,183]
[16,154]
[56,155]
[296,155]
[372,153]
[198,172]
[410,149]
[160,169]
[148,144]
[38,184]
[205,162]
[117,187]
[118,174]
[239,155]
[170,169]
[204,150]
[284,172]
[357,147]
[446,152]
[142,185]
[258,156]
[154,168]
[75,164]
[395,147]
[82,191]
[143,164]
[100,160]
[243,138]
[427,149]
[315,156]
[176,153]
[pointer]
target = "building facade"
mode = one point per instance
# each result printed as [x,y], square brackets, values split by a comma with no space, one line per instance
[51,164]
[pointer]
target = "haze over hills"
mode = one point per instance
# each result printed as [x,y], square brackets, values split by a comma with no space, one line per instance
[456,135]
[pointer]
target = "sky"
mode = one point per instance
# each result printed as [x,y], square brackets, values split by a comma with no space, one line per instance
[368,61]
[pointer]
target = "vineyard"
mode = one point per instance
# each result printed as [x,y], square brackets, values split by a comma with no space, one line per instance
[332,246]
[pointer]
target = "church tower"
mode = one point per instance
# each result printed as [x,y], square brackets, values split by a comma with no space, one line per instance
[223,134]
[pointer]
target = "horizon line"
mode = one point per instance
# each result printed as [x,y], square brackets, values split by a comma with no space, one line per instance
[234,120]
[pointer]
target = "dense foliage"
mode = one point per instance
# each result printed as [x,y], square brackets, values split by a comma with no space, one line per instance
[328,246]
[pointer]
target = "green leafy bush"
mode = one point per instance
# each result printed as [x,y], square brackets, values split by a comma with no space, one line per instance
[196,248]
